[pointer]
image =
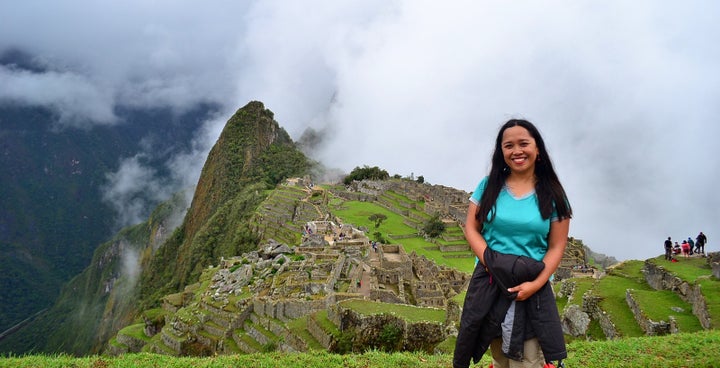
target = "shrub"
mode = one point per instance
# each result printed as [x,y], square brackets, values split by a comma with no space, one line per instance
[390,338]
[434,226]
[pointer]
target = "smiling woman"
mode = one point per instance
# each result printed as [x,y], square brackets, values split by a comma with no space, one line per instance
[517,225]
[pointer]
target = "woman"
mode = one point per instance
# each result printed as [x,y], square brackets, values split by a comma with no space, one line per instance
[685,249]
[520,211]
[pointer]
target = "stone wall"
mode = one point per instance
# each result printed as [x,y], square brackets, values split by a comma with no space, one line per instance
[323,337]
[650,327]
[385,296]
[714,262]
[591,306]
[368,329]
[133,344]
[286,310]
[660,279]
[574,320]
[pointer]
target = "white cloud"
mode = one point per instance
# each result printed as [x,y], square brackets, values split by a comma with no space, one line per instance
[625,93]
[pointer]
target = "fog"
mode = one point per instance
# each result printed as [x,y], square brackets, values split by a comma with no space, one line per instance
[624,93]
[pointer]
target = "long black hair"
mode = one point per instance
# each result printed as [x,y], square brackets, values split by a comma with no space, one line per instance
[548,189]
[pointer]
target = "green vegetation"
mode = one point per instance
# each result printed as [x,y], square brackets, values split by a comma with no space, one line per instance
[377,218]
[366,172]
[357,213]
[51,195]
[390,338]
[252,154]
[681,350]
[434,226]
[409,313]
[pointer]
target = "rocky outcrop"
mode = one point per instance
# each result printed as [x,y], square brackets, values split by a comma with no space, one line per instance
[391,333]
[591,306]
[575,321]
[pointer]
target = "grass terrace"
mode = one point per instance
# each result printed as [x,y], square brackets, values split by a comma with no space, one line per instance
[698,350]
[409,313]
[357,213]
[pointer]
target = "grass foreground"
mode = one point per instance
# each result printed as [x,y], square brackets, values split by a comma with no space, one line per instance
[680,350]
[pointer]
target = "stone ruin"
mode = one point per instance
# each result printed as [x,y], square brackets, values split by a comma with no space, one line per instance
[452,204]
[252,296]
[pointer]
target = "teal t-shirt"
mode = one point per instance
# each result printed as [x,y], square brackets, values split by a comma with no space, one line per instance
[518,228]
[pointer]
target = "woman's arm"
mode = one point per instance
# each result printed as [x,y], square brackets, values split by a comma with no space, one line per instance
[472,235]
[557,241]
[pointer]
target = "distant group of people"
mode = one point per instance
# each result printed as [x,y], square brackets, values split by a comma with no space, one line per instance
[687,248]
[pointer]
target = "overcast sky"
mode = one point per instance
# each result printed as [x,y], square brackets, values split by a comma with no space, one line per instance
[626,94]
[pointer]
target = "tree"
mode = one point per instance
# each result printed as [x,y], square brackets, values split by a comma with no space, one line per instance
[366,172]
[420,179]
[434,227]
[378,218]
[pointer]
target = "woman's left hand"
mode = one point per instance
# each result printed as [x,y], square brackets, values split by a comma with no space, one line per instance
[525,290]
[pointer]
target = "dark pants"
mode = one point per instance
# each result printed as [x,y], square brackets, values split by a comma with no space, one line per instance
[668,254]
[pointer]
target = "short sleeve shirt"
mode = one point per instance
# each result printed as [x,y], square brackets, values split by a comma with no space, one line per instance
[518,227]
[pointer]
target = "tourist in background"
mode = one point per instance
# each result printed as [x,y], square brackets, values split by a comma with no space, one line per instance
[519,209]
[668,249]
[700,242]
[691,243]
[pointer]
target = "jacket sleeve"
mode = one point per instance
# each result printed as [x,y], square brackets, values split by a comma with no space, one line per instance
[507,271]
[479,299]
[545,320]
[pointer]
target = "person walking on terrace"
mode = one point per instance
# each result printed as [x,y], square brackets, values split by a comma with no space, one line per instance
[668,249]
[517,225]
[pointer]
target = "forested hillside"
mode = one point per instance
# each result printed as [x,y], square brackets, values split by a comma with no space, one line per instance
[52,212]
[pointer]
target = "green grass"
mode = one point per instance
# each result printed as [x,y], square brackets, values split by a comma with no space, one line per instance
[431,251]
[681,350]
[357,213]
[137,331]
[409,313]
[711,291]
[322,319]
[687,269]
[299,327]
[582,285]
[658,306]
[629,269]
[612,289]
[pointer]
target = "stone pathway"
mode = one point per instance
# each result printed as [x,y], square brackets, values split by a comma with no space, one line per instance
[374,260]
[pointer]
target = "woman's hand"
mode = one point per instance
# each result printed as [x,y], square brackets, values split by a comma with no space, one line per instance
[557,240]
[525,290]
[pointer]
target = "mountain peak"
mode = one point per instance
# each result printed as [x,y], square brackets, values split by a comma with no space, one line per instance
[253,153]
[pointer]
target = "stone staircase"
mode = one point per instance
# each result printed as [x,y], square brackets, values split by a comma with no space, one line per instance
[282,214]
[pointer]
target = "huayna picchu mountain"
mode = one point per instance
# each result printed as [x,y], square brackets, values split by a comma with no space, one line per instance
[252,155]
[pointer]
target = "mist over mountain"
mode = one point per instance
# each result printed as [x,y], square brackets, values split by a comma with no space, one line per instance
[64,190]
[147,260]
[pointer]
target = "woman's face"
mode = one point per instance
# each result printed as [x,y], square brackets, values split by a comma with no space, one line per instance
[519,150]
